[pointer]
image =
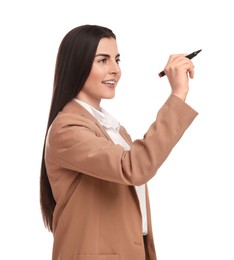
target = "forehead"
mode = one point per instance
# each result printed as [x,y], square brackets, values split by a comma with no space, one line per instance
[108,46]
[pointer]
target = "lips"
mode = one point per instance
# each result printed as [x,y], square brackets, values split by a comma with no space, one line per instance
[109,82]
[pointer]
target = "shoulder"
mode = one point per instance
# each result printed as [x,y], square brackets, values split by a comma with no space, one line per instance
[71,124]
[73,114]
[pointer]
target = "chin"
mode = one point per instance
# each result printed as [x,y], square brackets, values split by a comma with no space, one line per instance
[109,97]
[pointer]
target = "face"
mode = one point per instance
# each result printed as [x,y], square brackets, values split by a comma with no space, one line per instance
[104,75]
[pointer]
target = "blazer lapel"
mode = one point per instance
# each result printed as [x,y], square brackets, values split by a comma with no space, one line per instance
[76,108]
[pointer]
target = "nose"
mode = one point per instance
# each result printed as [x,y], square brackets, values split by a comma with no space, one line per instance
[114,67]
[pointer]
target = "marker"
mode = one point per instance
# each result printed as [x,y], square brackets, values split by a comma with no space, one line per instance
[190,56]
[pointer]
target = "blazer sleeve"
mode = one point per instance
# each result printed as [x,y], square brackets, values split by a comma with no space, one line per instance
[77,147]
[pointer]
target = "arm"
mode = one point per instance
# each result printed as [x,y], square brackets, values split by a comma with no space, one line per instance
[79,147]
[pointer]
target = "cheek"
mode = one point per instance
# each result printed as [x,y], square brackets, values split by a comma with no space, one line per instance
[92,83]
[92,78]
[95,76]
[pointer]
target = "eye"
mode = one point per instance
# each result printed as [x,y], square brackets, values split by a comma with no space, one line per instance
[103,60]
[117,60]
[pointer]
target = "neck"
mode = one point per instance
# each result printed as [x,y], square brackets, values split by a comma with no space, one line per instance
[95,105]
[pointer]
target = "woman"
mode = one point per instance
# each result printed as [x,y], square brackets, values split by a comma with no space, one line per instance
[94,195]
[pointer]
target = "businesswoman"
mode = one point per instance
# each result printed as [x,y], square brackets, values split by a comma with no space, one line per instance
[93,184]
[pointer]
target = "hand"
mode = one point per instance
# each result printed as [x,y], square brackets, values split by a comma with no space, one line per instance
[177,69]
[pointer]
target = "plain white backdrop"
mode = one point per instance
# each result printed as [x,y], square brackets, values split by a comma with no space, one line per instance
[192,195]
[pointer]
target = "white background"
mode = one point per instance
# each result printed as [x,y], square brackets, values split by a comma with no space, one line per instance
[192,194]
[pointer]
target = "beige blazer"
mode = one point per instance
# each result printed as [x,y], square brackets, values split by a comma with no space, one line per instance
[97,215]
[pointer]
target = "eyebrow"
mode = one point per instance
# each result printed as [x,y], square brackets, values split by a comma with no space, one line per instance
[106,55]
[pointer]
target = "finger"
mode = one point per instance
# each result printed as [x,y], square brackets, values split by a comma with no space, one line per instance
[176,57]
[191,74]
[191,70]
[179,61]
[182,64]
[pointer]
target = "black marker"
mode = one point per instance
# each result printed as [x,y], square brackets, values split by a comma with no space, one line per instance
[190,56]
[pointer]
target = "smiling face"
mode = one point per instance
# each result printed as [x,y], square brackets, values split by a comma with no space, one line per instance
[104,75]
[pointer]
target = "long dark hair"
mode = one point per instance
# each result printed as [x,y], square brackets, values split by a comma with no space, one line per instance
[73,65]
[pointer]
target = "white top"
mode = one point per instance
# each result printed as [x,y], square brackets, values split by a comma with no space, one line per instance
[111,126]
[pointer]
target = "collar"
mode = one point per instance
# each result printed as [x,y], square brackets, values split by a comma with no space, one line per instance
[103,117]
